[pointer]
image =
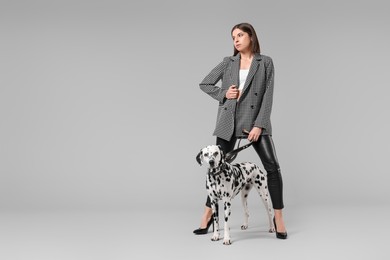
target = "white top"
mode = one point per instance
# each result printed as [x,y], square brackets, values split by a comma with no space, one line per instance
[243,76]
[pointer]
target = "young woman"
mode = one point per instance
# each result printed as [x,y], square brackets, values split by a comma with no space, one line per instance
[245,102]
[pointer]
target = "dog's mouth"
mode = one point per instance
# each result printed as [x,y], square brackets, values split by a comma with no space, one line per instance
[211,163]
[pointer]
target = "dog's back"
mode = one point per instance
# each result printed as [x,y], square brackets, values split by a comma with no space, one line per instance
[233,178]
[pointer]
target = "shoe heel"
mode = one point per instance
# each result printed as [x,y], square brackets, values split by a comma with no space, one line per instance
[279,235]
[202,231]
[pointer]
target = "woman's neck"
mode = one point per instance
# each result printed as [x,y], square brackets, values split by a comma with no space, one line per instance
[245,60]
[246,55]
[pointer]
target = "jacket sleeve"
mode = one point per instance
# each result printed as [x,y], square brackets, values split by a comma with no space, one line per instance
[264,116]
[208,84]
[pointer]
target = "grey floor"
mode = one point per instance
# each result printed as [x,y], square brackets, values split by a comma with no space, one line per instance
[323,232]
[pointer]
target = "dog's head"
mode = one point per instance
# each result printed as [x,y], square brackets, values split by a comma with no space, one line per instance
[212,156]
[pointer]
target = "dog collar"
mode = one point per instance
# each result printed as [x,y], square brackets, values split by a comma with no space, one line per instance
[216,171]
[219,169]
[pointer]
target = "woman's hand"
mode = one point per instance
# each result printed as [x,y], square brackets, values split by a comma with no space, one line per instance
[232,92]
[254,134]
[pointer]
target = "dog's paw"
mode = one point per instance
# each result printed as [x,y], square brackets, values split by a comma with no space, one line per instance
[244,227]
[227,242]
[215,237]
[271,230]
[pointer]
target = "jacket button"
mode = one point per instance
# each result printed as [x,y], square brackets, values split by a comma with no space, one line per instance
[252,106]
[225,108]
[255,94]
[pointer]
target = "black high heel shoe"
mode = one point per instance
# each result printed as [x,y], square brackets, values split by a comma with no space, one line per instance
[202,231]
[279,234]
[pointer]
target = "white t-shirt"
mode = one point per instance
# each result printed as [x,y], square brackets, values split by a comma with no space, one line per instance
[243,76]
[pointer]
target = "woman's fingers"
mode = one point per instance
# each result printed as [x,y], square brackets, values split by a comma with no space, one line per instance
[253,137]
[254,134]
[232,92]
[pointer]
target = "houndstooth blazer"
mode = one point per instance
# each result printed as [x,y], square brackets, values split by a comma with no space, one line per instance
[255,104]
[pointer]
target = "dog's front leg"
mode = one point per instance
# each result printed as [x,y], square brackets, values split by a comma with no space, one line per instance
[214,206]
[226,238]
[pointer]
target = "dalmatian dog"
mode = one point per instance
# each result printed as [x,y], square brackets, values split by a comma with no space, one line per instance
[225,180]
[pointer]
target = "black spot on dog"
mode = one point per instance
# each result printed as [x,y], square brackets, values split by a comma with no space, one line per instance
[257,182]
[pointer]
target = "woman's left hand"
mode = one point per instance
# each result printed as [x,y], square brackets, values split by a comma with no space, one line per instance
[254,134]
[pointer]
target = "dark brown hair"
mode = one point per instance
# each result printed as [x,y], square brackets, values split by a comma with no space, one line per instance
[248,28]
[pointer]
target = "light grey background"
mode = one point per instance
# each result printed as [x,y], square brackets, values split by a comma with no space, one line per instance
[100,106]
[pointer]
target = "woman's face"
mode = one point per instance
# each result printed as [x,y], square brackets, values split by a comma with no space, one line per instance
[241,40]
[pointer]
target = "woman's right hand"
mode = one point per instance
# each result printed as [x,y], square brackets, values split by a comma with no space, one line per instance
[232,92]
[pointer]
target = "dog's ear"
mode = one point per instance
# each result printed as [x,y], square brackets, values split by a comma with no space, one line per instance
[198,158]
[222,153]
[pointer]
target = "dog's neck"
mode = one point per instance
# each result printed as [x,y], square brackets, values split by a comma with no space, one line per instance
[221,167]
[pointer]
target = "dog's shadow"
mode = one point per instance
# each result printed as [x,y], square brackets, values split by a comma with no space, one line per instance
[255,232]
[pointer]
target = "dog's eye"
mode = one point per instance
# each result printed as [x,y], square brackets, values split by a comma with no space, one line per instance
[206,154]
[216,153]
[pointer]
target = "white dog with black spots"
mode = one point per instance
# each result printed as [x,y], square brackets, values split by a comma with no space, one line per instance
[224,181]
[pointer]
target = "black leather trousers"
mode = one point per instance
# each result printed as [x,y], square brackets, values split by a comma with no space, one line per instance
[265,148]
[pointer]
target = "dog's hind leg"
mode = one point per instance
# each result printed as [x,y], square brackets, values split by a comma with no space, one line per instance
[262,188]
[244,199]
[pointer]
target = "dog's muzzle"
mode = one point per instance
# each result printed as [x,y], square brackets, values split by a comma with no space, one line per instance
[212,163]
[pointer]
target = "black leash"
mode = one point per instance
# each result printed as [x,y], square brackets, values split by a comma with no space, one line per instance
[230,156]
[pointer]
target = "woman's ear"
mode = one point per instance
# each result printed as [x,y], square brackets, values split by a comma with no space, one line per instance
[199,159]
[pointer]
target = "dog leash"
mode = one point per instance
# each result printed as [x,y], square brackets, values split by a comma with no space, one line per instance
[230,156]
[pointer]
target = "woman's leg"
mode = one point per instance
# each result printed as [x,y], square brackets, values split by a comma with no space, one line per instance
[226,146]
[265,148]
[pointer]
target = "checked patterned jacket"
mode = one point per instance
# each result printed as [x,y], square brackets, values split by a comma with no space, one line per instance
[255,104]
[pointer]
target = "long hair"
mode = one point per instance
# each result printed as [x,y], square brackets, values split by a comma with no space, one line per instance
[248,28]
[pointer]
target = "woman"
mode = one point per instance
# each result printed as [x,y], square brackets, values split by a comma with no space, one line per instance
[245,102]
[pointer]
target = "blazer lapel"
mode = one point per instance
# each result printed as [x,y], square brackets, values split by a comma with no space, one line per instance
[252,71]
[234,73]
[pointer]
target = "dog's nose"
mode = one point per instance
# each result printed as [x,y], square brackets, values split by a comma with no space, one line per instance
[211,162]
